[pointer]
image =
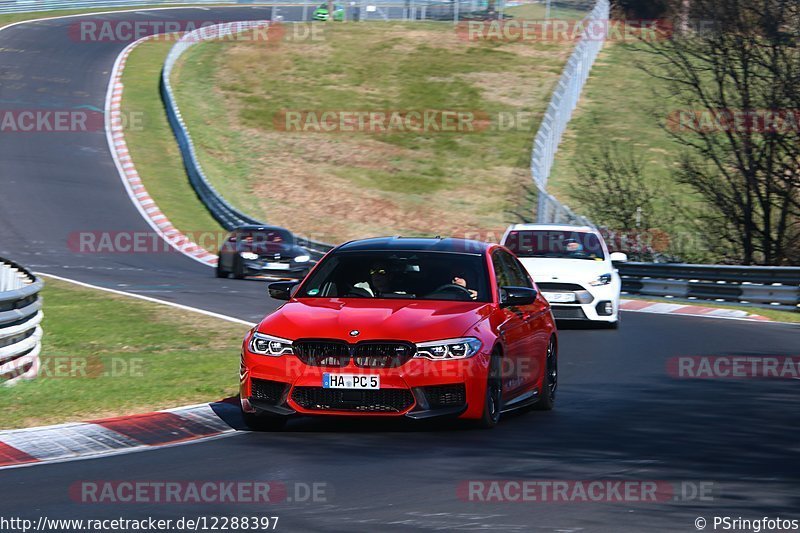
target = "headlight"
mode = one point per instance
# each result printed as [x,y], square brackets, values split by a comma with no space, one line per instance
[603,279]
[302,259]
[250,256]
[449,349]
[269,345]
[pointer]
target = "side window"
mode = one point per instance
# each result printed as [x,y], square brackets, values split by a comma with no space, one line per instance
[501,273]
[519,275]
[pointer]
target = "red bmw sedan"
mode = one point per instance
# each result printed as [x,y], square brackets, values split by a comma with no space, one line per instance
[403,327]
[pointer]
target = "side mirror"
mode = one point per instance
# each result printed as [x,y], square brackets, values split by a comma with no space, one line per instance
[514,296]
[281,290]
[618,257]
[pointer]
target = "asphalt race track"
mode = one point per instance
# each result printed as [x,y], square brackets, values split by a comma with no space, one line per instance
[57,184]
[620,416]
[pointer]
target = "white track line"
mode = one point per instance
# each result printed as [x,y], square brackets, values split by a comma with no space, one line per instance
[153,300]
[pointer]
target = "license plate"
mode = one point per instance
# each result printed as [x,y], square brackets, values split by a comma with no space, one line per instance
[350,381]
[559,297]
[277,266]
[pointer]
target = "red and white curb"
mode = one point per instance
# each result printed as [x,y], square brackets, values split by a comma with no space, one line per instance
[127,170]
[110,436]
[642,306]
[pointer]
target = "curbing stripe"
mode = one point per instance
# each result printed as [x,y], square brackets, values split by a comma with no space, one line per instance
[12,456]
[157,428]
[109,436]
[49,443]
[137,193]
[643,306]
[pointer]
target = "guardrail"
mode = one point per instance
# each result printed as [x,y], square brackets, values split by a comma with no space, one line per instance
[772,287]
[559,112]
[20,319]
[227,215]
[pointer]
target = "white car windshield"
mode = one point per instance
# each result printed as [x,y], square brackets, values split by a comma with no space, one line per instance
[555,244]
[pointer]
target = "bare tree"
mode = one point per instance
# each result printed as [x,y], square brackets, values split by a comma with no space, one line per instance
[735,76]
[612,188]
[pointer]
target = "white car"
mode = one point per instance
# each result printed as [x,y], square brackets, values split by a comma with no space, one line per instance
[572,267]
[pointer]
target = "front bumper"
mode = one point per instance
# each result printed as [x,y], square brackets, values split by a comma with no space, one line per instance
[419,389]
[259,267]
[596,304]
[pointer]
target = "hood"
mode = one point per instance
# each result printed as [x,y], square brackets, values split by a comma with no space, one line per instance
[543,269]
[410,320]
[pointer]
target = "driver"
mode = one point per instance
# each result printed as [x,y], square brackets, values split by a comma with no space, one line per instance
[460,279]
[574,248]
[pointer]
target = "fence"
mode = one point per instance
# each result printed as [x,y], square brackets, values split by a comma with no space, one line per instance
[773,287]
[559,112]
[20,316]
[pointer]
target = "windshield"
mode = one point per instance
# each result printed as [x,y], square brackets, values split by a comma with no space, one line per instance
[270,238]
[558,244]
[392,274]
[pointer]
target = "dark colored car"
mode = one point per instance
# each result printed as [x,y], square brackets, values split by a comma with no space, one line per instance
[262,250]
[403,327]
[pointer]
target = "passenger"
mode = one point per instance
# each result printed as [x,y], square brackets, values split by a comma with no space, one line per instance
[378,282]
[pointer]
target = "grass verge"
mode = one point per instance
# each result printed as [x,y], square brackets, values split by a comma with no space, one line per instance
[336,186]
[107,355]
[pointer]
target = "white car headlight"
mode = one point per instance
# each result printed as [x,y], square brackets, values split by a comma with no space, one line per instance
[603,279]
[448,349]
[302,259]
[268,345]
[250,256]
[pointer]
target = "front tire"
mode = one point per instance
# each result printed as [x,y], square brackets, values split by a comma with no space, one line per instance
[238,268]
[256,422]
[547,396]
[493,399]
